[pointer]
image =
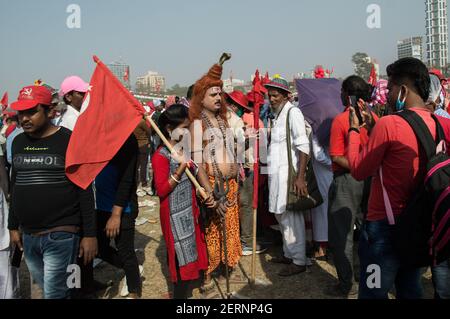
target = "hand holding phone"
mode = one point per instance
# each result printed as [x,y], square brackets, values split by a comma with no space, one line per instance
[354,103]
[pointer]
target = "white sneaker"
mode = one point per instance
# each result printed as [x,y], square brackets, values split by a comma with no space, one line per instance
[124,291]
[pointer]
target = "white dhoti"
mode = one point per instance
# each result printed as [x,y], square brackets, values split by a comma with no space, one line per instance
[292,227]
[321,163]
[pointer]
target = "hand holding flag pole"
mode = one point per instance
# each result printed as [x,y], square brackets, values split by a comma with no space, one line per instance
[194,181]
[108,117]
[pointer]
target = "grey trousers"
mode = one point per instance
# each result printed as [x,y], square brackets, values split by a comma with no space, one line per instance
[246,211]
[345,198]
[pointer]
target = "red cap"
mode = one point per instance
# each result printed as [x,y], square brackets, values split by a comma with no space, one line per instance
[239,98]
[30,96]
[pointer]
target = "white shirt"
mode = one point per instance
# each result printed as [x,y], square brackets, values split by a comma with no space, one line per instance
[2,141]
[4,232]
[69,118]
[277,159]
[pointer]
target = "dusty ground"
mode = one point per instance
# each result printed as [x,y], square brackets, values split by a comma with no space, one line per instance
[152,255]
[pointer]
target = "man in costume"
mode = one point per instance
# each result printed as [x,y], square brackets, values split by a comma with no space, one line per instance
[218,170]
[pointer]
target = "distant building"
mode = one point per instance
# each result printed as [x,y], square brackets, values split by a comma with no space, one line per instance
[151,82]
[436,33]
[122,72]
[230,84]
[411,47]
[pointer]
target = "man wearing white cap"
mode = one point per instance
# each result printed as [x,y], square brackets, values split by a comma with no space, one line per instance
[73,90]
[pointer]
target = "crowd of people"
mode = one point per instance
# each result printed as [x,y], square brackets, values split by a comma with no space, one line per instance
[368,169]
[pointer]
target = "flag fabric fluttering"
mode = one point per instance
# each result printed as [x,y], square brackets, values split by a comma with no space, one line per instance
[258,92]
[4,101]
[109,115]
[373,76]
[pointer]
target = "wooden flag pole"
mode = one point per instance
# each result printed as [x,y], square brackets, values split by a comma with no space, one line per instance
[194,181]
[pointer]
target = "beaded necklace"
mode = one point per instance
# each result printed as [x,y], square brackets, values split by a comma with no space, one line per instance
[223,130]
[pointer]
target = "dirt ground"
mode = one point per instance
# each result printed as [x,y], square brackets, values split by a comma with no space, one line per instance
[151,254]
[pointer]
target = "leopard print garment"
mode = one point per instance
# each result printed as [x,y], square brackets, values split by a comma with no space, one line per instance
[214,238]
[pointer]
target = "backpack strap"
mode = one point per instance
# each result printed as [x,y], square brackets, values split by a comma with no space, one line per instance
[387,202]
[421,131]
[288,138]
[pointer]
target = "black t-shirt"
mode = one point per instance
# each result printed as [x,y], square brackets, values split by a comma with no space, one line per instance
[42,195]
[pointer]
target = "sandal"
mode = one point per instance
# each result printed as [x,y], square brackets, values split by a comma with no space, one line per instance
[291,270]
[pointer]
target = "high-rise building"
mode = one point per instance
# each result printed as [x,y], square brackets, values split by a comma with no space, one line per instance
[151,82]
[411,47]
[436,32]
[122,72]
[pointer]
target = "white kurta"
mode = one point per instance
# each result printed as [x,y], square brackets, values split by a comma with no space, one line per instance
[277,160]
[321,163]
[69,118]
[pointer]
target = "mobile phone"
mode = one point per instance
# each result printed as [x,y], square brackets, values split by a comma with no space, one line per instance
[16,257]
[354,103]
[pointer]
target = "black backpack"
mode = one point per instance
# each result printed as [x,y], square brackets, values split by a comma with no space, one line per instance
[422,231]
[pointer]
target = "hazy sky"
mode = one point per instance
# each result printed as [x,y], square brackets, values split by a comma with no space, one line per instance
[182,39]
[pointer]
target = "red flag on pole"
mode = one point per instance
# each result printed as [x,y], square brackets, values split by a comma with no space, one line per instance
[4,101]
[258,91]
[108,116]
[266,79]
[373,76]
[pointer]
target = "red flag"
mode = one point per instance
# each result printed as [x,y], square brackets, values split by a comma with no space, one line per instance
[4,101]
[373,76]
[108,117]
[266,79]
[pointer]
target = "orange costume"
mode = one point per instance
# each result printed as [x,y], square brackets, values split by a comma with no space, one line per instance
[214,224]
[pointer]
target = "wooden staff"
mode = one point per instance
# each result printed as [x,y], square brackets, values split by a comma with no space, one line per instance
[194,181]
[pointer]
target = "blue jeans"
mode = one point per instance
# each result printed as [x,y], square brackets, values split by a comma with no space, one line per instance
[376,248]
[441,280]
[48,257]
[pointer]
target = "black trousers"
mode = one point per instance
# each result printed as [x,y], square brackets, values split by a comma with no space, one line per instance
[125,256]
[183,288]
[141,167]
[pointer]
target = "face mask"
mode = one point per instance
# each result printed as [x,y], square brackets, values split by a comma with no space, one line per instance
[400,105]
[441,104]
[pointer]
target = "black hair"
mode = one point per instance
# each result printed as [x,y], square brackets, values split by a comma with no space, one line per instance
[411,72]
[177,99]
[172,117]
[358,87]
[190,91]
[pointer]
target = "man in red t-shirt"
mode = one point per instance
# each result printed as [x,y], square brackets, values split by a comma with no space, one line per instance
[392,146]
[346,193]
